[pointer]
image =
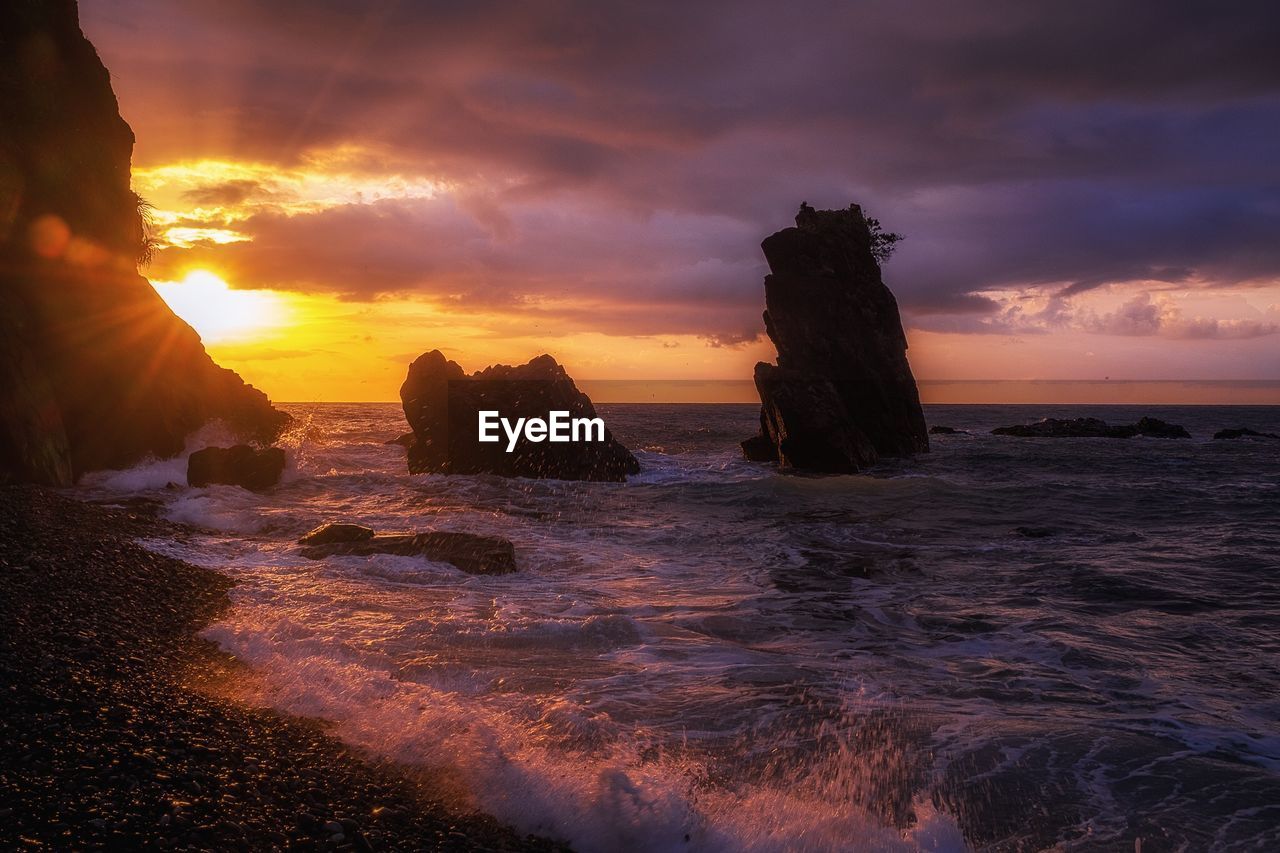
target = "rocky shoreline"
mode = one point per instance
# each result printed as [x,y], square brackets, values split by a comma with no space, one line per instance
[111,741]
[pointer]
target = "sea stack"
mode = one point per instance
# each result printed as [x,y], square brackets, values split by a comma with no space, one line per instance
[442,405]
[841,396]
[95,370]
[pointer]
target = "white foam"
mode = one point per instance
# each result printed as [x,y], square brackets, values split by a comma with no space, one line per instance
[152,474]
[554,767]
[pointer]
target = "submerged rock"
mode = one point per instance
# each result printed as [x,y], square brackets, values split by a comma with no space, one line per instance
[1243,432]
[841,395]
[442,405]
[327,534]
[1092,428]
[476,555]
[241,465]
[946,430]
[96,371]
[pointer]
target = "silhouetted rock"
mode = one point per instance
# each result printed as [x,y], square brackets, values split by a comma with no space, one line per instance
[477,555]
[1062,428]
[1092,428]
[760,448]
[240,465]
[841,395]
[946,430]
[95,370]
[1156,428]
[442,405]
[328,534]
[1243,432]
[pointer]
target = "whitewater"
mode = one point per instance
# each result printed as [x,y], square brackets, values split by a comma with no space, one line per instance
[1006,644]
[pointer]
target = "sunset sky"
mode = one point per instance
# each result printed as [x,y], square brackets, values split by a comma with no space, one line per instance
[1088,190]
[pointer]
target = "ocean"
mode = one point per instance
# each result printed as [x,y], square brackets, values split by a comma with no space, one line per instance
[1006,644]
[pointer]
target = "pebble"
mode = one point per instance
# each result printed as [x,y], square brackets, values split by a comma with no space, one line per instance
[115,751]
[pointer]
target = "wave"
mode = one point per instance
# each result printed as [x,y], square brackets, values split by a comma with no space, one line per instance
[714,657]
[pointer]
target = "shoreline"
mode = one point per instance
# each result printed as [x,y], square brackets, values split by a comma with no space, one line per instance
[110,742]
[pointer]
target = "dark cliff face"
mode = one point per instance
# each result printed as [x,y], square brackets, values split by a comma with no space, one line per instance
[95,370]
[841,395]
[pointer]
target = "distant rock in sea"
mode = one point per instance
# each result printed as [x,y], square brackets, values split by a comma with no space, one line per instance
[95,369]
[476,555]
[1092,428]
[1243,432]
[241,465]
[442,405]
[946,430]
[841,396]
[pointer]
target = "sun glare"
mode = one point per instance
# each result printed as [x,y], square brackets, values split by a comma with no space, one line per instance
[217,311]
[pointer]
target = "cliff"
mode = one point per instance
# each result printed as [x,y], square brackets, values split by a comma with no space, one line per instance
[842,394]
[95,370]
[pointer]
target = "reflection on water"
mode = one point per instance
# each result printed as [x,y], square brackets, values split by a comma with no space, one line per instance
[1008,644]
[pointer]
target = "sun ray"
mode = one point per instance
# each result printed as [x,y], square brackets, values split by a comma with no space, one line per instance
[219,312]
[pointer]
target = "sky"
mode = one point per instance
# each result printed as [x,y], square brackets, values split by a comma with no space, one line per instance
[1088,190]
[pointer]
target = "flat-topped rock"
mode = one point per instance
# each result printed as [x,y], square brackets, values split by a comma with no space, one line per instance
[328,534]
[1093,428]
[1243,432]
[473,554]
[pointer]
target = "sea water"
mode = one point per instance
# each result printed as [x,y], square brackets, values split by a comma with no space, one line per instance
[1006,644]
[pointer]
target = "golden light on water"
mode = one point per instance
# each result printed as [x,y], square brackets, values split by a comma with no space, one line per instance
[219,312]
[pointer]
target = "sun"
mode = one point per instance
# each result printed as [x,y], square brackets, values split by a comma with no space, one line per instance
[218,312]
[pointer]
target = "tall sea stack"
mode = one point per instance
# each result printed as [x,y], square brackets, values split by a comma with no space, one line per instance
[95,370]
[841,395]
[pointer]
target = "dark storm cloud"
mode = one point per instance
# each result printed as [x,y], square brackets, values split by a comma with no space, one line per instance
[638,152]
[594,270]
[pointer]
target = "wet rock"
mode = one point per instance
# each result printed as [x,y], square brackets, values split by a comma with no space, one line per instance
[474,554]
[1243,432]
[1092,428]
[240,465]
[842,395]
[327,534]
[946,430]
[442,405]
